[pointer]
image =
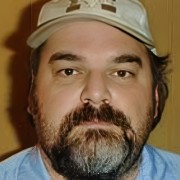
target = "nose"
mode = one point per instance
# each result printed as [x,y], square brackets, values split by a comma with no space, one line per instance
[96,90]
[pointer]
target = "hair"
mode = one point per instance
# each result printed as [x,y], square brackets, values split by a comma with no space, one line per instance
[159,69]
[159,73]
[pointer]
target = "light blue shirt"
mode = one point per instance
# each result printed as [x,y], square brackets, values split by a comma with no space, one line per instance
[28,165]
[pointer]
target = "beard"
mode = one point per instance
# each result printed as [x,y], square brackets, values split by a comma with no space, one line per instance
[81,151]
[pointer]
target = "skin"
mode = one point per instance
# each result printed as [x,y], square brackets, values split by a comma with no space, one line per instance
[84,62]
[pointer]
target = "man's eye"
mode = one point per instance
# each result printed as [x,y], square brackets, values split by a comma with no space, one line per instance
[123,74]
[68,72]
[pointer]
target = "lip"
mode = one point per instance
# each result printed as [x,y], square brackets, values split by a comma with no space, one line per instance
[95,123]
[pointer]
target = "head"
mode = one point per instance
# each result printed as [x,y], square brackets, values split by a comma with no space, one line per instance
[97,93]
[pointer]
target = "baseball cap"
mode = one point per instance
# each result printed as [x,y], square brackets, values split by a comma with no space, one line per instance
[129,16]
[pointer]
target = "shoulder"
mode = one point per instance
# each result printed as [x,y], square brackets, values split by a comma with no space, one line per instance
[24,165]
[171,159]
[160,163]
[11,165]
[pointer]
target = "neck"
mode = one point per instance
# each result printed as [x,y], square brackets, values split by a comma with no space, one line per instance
[52,173]
[130,175]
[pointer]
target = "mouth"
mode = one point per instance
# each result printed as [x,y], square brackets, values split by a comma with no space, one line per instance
[95,124]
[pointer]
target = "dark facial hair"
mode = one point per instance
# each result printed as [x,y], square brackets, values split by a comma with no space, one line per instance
[114,149]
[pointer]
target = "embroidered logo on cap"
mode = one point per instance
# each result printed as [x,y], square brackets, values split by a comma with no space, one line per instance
[105,5]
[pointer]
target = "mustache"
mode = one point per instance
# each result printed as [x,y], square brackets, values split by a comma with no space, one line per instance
[88,113]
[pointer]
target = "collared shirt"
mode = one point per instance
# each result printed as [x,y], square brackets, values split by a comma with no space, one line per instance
[28,165]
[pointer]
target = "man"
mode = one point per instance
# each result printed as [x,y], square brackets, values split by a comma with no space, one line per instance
[98,90]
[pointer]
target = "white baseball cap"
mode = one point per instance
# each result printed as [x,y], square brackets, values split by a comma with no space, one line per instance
[128,15]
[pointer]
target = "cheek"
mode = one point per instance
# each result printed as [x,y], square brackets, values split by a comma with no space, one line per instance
[135,102]
[56,100]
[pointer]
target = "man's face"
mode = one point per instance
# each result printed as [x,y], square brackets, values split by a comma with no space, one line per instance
[93,99]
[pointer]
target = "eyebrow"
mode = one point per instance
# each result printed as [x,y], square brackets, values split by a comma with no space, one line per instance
[127,58]
[64,56]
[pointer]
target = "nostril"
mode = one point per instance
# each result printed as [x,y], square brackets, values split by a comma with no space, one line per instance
[89,101]
[86,101]
[106,101]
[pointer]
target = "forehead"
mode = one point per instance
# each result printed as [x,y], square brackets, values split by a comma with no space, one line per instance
[93,38]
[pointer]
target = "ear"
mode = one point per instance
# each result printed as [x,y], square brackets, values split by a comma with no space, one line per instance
[29,108]
[156,98]
[30,97]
